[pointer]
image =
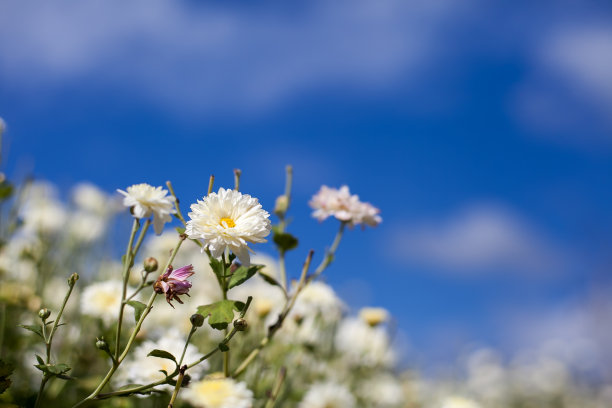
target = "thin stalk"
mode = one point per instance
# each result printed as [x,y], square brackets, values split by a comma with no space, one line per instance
[126,276]
[329,257]
[282,373]
[179,381]
[237,174]
[211,182]
[2,325]
[179,214]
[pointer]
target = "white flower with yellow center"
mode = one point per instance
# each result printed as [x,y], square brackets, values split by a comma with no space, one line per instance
[146,200]
[228,219]
[373,315]
[328,395]
[102,299]
[218,392]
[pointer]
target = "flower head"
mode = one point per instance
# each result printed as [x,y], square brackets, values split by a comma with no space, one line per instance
[344,206]
[174,283]
[146,200]
[102,299]
[218,392]
[328,395]
[228,219]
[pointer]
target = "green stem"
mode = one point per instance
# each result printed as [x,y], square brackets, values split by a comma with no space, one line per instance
[329,257]
[2,325]
[193,330]
[126,276]
[226,354]
[277,386]
[179,381]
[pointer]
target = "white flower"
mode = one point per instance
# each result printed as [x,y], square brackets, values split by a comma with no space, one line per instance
[146,200]
[328,395]
[318,299]
[228,219]
[86,227]
[344,206]
[382,391]
[102,299]
[459,402]
[42,212]
[218,393]
[374,315]
[142,369]
[362,344]
[91,199]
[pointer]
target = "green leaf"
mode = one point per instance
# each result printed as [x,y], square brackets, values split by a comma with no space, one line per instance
[6,370]
[6,190]
[242,274]
[217,267]
[180,230]
[285,241]
[139,307]
[162,354]
[270,280]
[34,329]
[39,359]
[53,369]
[220,313]
[223,347]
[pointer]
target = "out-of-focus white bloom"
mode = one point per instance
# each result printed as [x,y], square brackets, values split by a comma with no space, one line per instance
[362,344]
[2,126]
[486,375]
[42,212]
[228,219]
[147,200]
[268,300]
[91,199]
[373,315]
[102,299]
[382,391]
[270,264]
[141,369]
[218,392]
[328,395]
[318,299]
[86,227]
[459,402]
[344,206]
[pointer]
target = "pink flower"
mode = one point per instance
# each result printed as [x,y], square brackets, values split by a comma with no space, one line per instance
[174,283]
[344,206]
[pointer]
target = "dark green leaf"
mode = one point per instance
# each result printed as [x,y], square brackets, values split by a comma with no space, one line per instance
[270,280]
[220,313]
[34,329]
[65,377]
[139,307]
[217,267]
[223,347]
[162,354]
[6,370]
[285,241]
[53,369]
[5,383]
[39,359]
[6,190]
[242,274]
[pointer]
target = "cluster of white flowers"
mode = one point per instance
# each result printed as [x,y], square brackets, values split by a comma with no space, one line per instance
[328,395]
[345,207]
[218,392]
[362,344]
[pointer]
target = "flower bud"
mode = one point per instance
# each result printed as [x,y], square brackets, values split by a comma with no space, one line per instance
[240,324]
[150,264]
[101,344]
[197,320]
[44,313]
[281,205]
[73,278]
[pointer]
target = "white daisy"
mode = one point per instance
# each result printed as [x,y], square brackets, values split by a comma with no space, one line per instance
[363,345]
[328,395]
[218,393]
[102,299]
[147,200]
[228,219]
[344,206]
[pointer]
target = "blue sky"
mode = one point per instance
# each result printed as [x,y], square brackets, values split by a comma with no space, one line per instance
[483,131]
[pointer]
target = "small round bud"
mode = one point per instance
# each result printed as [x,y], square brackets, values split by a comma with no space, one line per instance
[73,278]
[240,324]
[197,320]
[150,264]
[281,205]
[101,344]
[44,313]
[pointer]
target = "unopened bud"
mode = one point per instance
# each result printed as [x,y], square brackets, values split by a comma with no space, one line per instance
[101,344]
[197,320]
[241,324]
[44,313]
[281,205]
[73,278]
[150,264]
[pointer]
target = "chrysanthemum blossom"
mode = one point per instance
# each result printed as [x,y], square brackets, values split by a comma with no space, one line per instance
[344,206]
[328,395]
[174,283]
[146,200]
[218,392]
[228,219]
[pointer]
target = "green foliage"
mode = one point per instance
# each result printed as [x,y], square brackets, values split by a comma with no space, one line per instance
[139,307]
[34,328]
[220,313]
[6,190]
[6,370]
[242,274]
[285,241]
[162,354]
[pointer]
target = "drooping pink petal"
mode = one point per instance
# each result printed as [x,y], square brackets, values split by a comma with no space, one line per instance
[182,273]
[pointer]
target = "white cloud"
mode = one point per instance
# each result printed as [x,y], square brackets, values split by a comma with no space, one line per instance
[476,239]
[209,57]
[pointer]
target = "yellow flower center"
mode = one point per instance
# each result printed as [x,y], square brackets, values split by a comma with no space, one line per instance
[227,223]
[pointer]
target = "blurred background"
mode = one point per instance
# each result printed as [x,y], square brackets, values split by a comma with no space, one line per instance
[482,130]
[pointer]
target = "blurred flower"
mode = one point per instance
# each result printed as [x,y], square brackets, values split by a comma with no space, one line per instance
[318,299]
[102,299]
[141,369]
[373,315]
[229,219]
[86,227]
[268,300]
[344,206]
[91,199]
[382,391]
[174,283]
[459,402]
[218,392]
[146,200]
[362,344]
[42,212]
[328,395]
